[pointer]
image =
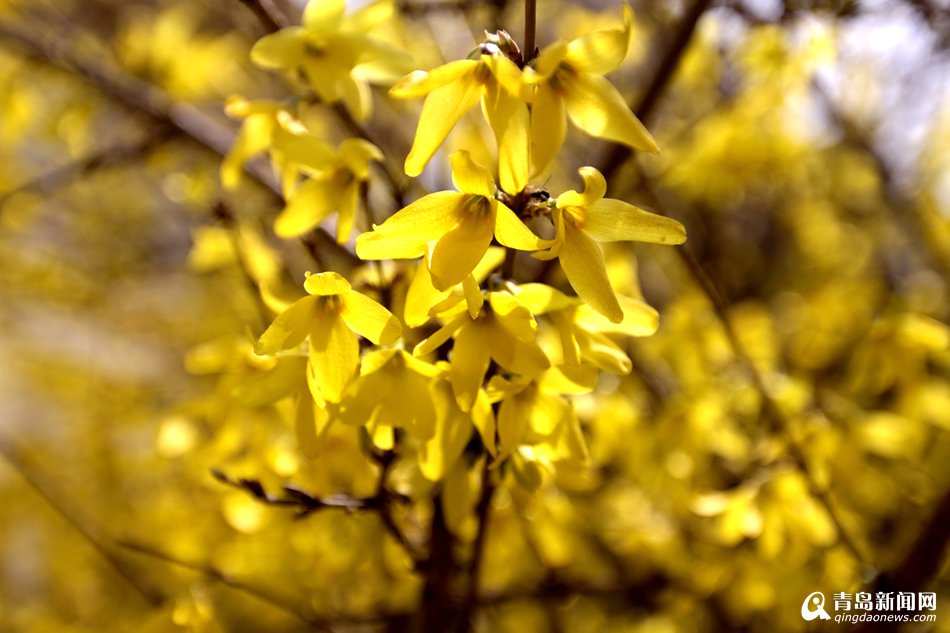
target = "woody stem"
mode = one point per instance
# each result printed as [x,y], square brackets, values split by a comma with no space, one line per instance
[530,22]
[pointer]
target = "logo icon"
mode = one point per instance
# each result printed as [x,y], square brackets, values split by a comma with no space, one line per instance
[814,607]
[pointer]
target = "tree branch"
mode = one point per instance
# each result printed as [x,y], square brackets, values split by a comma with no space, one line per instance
[106,157]
[20,462]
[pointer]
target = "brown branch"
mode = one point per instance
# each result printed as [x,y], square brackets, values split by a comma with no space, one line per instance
[214,573]
[21,463]
[661,78]
[712,290]
[144,97]
[306,504]
[483,514]
[106,157]
[268,14]
[225,214]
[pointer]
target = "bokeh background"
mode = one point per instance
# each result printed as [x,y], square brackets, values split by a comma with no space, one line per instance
[786,431]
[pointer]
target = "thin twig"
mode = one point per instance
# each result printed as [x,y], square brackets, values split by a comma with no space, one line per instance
[483,514]
[530,28]
[213,573]
[268,14]
[114,154]
[711,289]
[223,212]
[19,462]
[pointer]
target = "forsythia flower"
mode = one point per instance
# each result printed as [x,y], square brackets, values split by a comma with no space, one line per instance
[454,89]
[568,77]
[329,316]
[335,54]
[583,219]
[334,188]
[393,390]
[460,222]
[503,331]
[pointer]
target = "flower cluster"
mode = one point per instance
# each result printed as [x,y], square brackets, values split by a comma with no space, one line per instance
[460,349]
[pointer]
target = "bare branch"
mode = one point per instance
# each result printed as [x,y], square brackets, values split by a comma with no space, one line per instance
[21,462]
[106,157]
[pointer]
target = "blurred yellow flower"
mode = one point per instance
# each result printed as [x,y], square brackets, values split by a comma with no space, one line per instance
[335,188]
[335,54]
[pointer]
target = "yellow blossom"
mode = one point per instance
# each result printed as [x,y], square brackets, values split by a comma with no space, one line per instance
[455,88]
[461,223]
[329,316]
[503,331]
[335,53]
[582,220]
[393,390]
[335,188]
[569,83]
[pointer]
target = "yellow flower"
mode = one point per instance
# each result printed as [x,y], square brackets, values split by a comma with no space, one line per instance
[329,316]
[582,220]
[335,54]
[452,90]
[335,188]
[534,411]
[583,333]
[569,82]
[393,390]
[503,331]
[461,223]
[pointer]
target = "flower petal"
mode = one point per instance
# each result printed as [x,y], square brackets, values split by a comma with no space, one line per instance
[639,319]
[283,49]
[470,177]
[512,232]
[474,299]
[419,83]
[596,107]
[325,284]
[508,117]
[441,111]
[356,154]
[609,220]
[513,316]
[369,319]
[307,207]
[548,128]
[346,211]
[438,338]
[603,50]
[426,219]
[460,250]
[334,355]
[289,329]
[527,359]
[324,15]
[452,432]
[595,186]
[547,61]
[421,296]
[372,245]
[469,362]
[583,262]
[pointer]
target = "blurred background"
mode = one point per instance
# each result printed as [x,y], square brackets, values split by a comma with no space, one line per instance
[786,431]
